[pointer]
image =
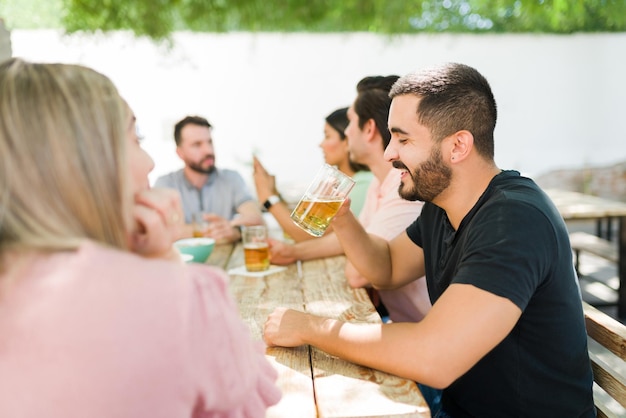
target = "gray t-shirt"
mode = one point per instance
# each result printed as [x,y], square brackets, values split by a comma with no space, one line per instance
[222,194]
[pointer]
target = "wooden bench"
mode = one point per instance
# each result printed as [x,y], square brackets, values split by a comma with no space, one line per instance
[582,241]
[607,351]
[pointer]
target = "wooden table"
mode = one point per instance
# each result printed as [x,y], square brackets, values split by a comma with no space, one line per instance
[315,384]
[579,206]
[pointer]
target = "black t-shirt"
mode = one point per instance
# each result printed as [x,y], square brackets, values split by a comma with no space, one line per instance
[513,243]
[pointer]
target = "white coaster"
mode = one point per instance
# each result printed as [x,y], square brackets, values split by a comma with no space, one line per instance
[241,271]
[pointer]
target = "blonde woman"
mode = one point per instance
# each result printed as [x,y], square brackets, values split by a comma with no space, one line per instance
[98,315]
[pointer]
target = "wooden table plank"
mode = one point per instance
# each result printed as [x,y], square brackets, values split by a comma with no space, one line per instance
[220,256]
[332,387]
[342,388]
[257,297]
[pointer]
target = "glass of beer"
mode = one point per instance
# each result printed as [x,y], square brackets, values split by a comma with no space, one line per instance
[201,227]
[255,247]
[322,200]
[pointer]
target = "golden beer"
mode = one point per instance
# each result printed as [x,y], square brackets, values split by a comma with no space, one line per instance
[201,227]
[314,214]
[257,256]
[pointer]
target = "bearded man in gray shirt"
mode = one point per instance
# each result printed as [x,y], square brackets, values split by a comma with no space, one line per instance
[220,194]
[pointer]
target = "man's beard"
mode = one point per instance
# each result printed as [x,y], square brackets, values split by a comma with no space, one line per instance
[198,168]
[429,179]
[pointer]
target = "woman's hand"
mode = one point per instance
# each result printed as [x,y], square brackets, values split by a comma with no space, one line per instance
[264,182]
[158,222]
[281,253]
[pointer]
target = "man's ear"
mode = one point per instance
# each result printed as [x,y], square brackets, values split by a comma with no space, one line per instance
[370,129]
[462,143]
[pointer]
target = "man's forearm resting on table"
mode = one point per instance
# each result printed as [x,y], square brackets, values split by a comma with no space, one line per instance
[364,344]
[435,351]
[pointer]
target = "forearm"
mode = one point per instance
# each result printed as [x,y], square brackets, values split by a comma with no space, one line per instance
[382,347]
[326,246]
[435,351]
[368,254]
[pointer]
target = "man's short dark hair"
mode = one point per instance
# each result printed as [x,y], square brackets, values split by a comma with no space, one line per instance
[189,120]
[453,97]
[373,101]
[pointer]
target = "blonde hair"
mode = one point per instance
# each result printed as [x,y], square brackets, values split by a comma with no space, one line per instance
[63,171]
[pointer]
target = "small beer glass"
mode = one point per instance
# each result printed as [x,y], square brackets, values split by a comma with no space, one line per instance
[255,247]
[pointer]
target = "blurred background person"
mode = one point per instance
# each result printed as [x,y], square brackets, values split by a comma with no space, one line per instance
[336,153]
[220,194]
[100,317]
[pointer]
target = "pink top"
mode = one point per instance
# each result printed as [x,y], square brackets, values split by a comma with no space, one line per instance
[387,215]
[103,333]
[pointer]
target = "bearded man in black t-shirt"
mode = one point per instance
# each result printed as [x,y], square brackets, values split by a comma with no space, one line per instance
[506,335]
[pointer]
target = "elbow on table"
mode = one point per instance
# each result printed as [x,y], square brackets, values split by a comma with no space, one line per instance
[354,278]
[356,281]
[440,382]
[433,368]
[434,377]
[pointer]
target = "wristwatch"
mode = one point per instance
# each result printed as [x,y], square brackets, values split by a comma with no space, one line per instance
[272,200]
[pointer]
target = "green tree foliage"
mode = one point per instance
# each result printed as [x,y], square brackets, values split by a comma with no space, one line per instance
[158,18]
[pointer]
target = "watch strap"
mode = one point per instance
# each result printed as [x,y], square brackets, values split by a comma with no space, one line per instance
[271,201]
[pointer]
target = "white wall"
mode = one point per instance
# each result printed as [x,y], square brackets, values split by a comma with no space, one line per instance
[561,98]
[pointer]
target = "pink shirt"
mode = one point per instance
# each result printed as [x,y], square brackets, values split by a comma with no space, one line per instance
[101,333]
[387,215]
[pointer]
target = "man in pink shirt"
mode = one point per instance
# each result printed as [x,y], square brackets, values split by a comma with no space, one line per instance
[384,213]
